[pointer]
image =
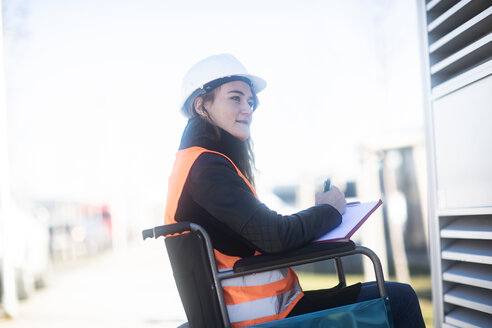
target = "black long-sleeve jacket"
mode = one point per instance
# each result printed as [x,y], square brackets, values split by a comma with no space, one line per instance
[218,199]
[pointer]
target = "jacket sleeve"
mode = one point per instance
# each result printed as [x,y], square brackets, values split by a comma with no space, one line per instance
[215,185]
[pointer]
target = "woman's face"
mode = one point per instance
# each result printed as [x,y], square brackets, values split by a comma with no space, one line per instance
[232,108]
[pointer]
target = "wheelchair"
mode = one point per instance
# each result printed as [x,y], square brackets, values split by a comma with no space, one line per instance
[198,280]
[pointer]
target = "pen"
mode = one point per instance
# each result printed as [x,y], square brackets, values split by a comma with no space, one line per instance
[353,203]
[327,185]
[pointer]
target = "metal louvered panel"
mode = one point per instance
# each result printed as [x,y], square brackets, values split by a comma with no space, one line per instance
[466,257]
[468,227]
[473,298]
[467,269]
[454,17]
[459,36]
[462,317]
[471,274]
[464,34]
[465,250]
[435,8]
[462,60]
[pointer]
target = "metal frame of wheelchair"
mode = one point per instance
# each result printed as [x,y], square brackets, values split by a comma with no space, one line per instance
[255,264]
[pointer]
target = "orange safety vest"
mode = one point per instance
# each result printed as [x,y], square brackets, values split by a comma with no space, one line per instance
[250,299]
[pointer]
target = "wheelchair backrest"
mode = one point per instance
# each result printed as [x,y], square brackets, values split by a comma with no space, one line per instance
[194,280]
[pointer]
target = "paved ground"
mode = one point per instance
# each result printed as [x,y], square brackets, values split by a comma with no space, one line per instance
[132,288]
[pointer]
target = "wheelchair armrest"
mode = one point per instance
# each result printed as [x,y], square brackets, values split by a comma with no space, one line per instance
[306,254]
[167,229]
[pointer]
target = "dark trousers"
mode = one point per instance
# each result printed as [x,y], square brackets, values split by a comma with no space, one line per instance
[404,304]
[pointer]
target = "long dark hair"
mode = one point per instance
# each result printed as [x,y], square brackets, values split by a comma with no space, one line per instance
[244,157]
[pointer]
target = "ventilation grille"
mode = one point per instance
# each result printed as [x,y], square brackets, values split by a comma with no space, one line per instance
[466,255]
[459,35]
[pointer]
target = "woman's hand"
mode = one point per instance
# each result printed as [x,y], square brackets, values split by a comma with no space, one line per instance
[333,197]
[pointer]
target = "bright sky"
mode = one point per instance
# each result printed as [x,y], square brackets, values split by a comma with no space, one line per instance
[94,87]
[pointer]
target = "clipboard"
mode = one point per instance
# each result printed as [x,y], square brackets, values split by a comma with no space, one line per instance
[352,219]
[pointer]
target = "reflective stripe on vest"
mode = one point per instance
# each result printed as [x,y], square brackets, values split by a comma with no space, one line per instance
[250,299]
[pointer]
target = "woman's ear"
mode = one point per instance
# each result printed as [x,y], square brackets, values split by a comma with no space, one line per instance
[199,107]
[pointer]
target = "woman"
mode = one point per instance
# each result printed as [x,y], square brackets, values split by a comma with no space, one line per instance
[212,185]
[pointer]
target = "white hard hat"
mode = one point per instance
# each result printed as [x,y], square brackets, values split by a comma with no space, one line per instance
[211,69]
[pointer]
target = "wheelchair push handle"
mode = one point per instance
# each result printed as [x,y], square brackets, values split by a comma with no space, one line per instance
[148,233]
[168,229]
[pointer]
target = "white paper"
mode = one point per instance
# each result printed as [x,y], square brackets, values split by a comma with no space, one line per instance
[353,216]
